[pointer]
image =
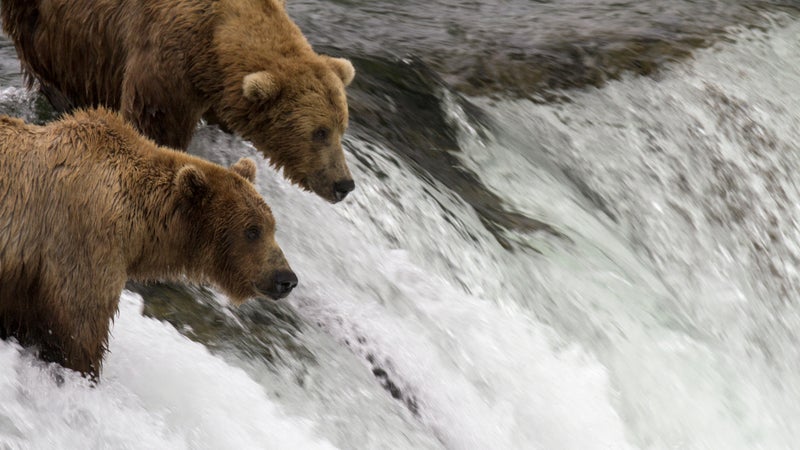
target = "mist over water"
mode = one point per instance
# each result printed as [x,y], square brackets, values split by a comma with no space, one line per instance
[600,263]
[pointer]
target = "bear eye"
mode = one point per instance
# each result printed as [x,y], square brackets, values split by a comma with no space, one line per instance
[320,135]
[252,233]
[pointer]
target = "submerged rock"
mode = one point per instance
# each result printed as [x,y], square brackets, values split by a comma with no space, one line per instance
[261,330]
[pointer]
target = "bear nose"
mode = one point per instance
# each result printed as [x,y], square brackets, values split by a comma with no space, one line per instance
[342,188]
[284,281]
[277,284]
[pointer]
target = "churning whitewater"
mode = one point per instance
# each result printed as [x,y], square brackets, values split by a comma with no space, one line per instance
[657,308]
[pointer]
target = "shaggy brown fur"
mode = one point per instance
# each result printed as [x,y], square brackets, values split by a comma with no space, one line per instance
[87,203]
[167,63]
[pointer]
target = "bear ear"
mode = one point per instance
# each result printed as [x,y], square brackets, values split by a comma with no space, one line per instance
[191,183]
[343,68]
[259,86]
[245,167]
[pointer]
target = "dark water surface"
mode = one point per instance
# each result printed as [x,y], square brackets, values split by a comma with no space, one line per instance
[523,47]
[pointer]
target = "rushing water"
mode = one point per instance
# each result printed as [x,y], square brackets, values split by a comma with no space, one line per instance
[593,244]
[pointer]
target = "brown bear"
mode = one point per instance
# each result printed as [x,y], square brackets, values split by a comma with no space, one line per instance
[243,64]
[87,203]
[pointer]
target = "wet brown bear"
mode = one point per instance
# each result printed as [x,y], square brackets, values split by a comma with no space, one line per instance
[166,63]
[87,203]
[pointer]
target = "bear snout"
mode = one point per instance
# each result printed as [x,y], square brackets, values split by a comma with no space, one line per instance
[343,187]
[277,284]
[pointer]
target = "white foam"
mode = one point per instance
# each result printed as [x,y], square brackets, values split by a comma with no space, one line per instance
[159,390]
[687,296]
[394,271]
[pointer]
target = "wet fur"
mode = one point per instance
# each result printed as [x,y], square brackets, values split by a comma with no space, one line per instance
[87,203]
[167,63]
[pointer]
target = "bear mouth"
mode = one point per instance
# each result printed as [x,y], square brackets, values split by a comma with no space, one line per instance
[324,191]
[271,295]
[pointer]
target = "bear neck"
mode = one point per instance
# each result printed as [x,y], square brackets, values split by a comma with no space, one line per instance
[163,243]
[131,193]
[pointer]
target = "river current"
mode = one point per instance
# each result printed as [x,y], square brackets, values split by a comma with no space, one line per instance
[575,226]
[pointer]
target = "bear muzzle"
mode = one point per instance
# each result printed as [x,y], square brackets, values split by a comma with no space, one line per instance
[278,284]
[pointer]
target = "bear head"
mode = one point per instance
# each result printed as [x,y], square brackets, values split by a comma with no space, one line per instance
[296,114]
[232,232]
